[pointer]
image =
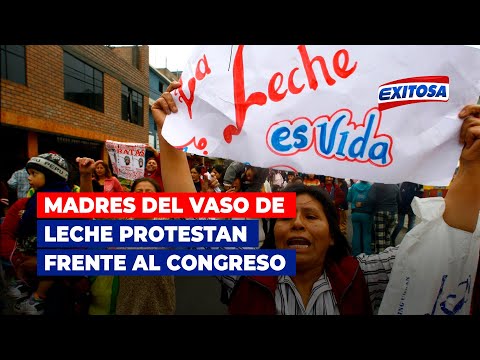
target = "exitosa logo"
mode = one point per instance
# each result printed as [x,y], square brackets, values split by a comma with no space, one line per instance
[413,90]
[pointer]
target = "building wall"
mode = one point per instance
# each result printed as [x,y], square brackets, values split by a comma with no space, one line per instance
[172,76]
[155,80]
[155,85]
[40,105]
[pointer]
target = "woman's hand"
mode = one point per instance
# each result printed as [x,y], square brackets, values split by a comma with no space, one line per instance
[462,203]
[212,184]
[152,149]
[470,133]
[87,165]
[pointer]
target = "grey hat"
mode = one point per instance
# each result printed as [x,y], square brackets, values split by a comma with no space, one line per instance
[49,164]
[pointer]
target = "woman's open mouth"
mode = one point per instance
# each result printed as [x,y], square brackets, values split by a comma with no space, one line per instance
[298,243]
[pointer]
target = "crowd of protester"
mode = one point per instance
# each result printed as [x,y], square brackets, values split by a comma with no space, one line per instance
[376,213]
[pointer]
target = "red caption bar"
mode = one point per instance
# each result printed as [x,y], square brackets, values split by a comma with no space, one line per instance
[171,205]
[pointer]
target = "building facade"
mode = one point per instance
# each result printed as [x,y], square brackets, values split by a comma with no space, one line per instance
[70,99]
[158,84]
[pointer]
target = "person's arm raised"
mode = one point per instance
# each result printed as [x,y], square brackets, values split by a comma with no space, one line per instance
[462,202]
[175,170]
[153,150]
[85,168]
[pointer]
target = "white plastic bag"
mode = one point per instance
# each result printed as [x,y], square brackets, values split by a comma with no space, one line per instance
[435,266]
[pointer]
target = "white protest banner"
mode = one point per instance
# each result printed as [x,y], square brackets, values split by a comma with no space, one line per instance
[128,159]
[384,113]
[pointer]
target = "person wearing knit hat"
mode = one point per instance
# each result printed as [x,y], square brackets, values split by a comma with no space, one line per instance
[47,173]
[53,166]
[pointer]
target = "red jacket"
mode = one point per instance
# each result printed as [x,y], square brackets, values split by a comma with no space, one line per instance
[9,227]
[255,295]
[336,194]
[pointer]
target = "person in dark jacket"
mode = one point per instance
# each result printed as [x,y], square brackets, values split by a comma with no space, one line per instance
[408,191]
[385,199]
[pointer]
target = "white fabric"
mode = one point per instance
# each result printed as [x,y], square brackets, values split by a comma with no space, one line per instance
[278,179]
[266,187]
[357,115]
[435,266]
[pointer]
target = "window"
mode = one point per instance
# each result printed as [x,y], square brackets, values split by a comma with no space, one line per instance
[83,83]
[132,106]
[12,63]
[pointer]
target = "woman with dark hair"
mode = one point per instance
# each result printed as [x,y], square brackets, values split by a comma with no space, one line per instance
[196,173]
[341,247]
[154,185]
[328,279]
[218,172]
[103,180]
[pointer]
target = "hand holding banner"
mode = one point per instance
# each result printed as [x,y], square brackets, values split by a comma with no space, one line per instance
[127,159]
[380,113]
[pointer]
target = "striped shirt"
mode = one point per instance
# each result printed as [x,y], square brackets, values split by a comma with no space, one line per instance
[376,270]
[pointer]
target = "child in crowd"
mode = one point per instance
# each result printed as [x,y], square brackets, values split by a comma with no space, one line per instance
[47,173]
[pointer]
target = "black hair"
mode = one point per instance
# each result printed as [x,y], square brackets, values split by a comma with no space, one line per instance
[108,173]
[340,247]
[198,169]
[221,170]
[259,176]
[150,180]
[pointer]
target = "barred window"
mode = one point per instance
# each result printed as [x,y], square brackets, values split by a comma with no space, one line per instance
[83,83]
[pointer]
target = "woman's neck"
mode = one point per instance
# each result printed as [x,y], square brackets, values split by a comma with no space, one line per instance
[304,281]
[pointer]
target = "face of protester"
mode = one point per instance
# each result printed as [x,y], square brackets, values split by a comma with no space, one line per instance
[36,179]
[151,165]
[328,180]
[144,187]
[100,170]
[237,184]
[216,174]
[249,175]
[308,233]
[290,177]
[195,175]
